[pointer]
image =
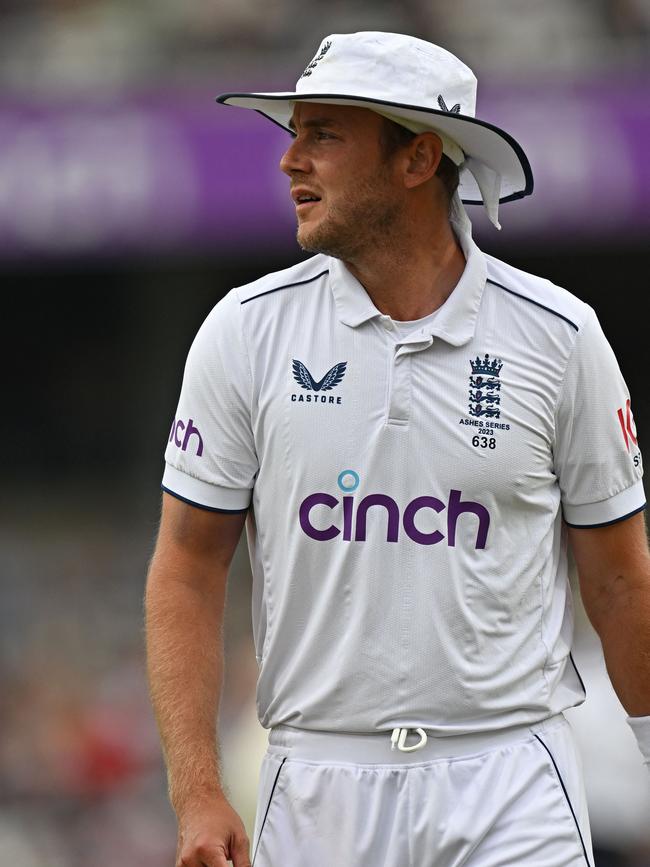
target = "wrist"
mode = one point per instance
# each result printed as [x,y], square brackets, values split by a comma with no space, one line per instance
[199,795]
[640,725]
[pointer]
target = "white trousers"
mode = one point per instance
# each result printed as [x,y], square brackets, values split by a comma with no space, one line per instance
[512,798]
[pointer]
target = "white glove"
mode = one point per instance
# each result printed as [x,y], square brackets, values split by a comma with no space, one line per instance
[640,725]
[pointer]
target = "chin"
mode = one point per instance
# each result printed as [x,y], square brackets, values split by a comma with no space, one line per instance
[309,241]
[317,239]
[304,235]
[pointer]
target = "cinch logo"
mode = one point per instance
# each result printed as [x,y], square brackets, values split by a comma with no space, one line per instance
[355,515]
[190,430]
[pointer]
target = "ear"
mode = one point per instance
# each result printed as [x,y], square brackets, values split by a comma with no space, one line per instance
[424,154]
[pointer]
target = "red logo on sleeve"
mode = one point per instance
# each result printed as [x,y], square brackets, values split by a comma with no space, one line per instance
[628,427]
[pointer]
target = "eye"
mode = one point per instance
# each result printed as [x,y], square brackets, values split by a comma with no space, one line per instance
[322,135]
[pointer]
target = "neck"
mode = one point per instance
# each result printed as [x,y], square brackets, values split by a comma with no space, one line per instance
[412,275]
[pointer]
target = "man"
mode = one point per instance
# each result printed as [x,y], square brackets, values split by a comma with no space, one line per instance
[410,429]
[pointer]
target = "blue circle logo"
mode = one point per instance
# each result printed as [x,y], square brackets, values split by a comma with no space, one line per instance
[348,481]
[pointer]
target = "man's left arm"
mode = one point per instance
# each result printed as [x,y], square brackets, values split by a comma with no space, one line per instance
[613,565]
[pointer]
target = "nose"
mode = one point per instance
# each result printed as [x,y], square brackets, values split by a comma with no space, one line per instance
[294,159]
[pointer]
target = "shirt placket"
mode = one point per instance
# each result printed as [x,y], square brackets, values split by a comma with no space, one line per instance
[399,397]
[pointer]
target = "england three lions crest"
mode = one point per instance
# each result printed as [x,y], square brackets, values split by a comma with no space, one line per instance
[485,387]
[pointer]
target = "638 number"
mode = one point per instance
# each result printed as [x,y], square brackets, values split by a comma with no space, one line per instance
[484,442]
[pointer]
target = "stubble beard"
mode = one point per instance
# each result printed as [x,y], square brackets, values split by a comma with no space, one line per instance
[364,219]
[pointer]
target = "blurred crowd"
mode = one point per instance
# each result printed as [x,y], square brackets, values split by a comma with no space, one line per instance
[79,762]
[81,774]
[74,44]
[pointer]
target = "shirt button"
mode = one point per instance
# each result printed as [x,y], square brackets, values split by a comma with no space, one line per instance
[387,323]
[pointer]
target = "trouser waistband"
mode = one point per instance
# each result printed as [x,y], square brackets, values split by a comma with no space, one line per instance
[375,748]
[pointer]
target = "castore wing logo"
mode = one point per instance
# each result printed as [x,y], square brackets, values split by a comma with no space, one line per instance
[331,379]
[455,109]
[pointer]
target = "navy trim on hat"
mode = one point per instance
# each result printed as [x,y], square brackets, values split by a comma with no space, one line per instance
[318,97]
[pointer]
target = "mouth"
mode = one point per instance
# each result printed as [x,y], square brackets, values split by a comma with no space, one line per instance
[304,199]
[303,207]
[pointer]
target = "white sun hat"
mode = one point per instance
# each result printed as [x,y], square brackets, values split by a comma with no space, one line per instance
[420,86]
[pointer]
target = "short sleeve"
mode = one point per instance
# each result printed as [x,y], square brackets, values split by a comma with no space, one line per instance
[210,457]
[597,458]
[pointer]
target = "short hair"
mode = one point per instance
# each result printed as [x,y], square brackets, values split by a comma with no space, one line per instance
[394,136]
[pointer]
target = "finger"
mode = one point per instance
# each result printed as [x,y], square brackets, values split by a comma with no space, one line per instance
[240,852]
[216,860]
[202,856]
[212,856]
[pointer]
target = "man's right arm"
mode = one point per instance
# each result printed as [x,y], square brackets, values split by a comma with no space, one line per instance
[184,606]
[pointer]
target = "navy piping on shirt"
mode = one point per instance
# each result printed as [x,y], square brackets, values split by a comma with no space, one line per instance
[536,303]
[201,506]
[605,523]
[575,668]
[286,286]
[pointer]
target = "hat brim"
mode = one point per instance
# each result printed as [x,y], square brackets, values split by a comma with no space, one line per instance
[479,139]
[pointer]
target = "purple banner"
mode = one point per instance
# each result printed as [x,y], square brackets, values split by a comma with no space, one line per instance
[178,172]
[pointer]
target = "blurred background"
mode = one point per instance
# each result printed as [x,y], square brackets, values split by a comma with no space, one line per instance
[129,204]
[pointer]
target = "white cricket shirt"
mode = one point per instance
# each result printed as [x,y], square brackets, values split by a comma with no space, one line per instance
[406,494]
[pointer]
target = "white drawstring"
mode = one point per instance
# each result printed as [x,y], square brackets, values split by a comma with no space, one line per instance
[489,183]
[398,739]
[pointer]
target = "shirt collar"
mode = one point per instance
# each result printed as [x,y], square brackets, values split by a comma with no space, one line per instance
[456,319]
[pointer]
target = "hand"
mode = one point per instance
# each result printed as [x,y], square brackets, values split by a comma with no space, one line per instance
[211,834]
